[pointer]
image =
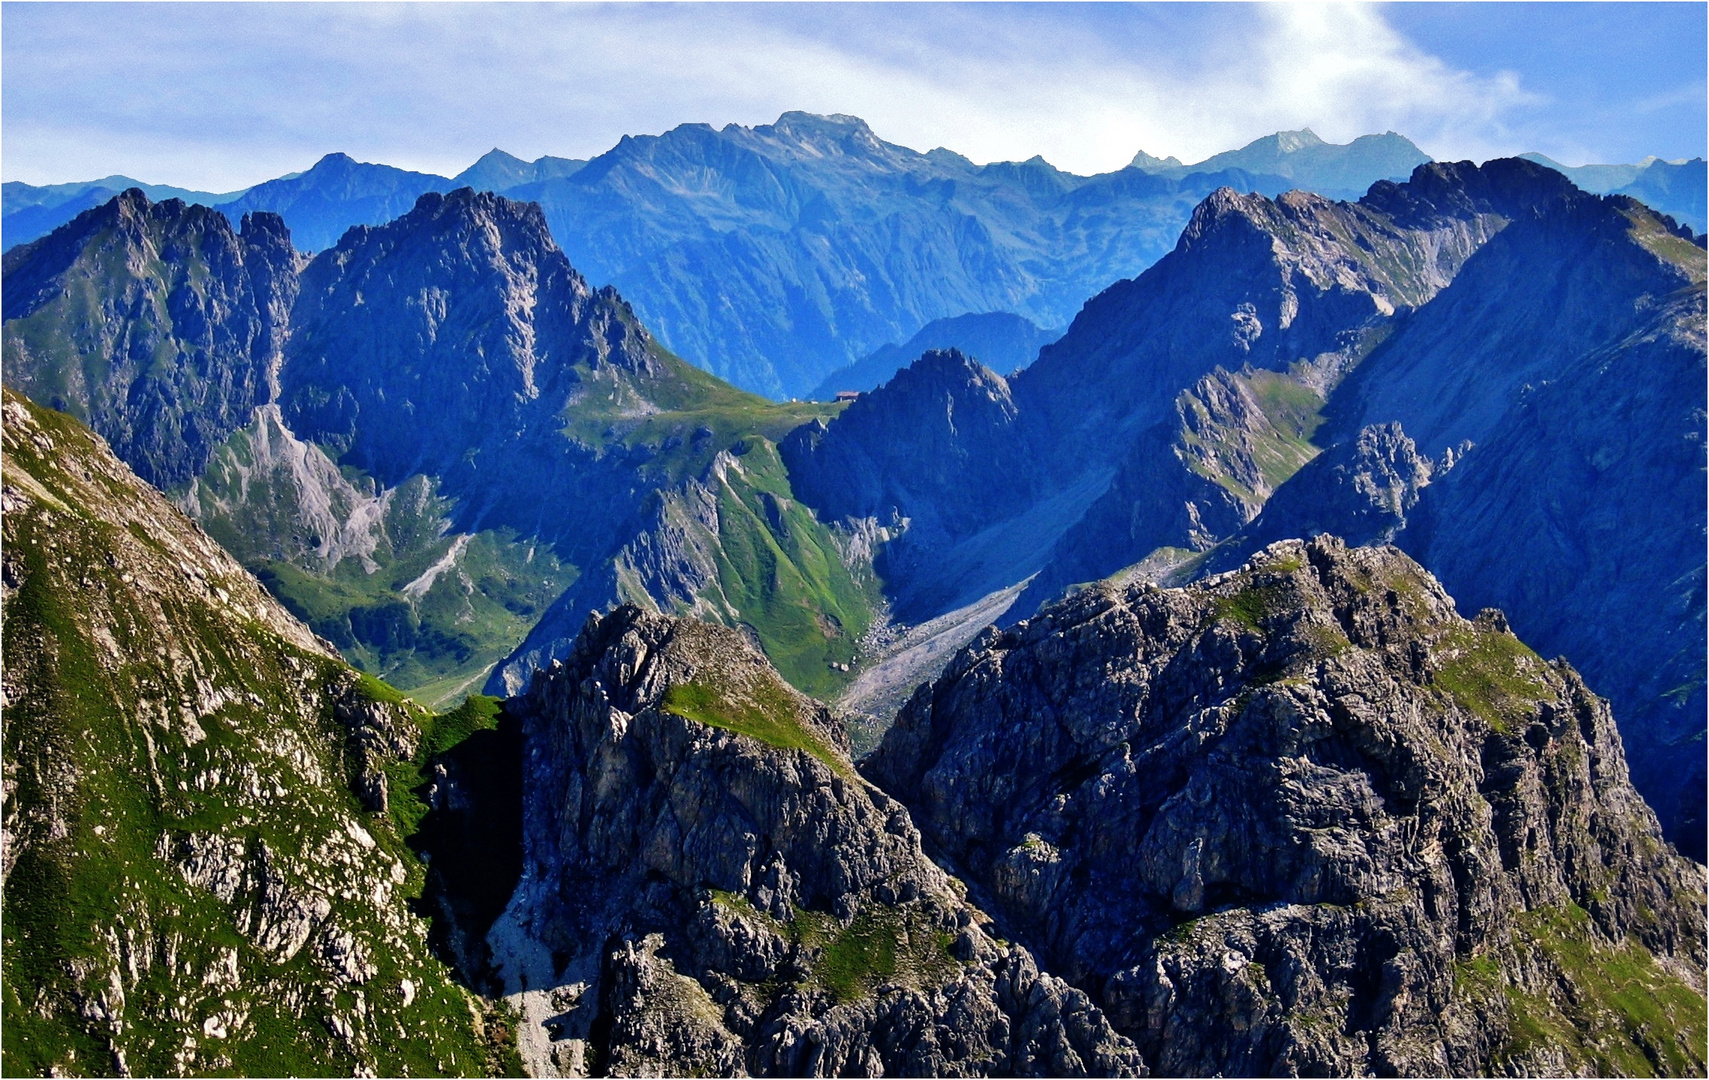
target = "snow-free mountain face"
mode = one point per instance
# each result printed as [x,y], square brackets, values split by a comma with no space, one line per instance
[210,820]
[778,254]
[1272,819]
[438,373]
[1677,188]
[1179,403]
[433,439]
[1299,815]
[1341,171]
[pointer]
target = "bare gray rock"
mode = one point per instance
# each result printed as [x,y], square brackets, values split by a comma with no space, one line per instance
[752,904]
[1303,818]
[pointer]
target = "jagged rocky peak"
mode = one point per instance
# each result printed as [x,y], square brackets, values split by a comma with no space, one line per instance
[835,132]
[1305,818]
[730,897]
[155,323]
[910,444]
[1438,189]
[458,324]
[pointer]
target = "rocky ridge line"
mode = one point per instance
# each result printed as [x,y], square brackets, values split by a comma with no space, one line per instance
[1304,818]
[722,893]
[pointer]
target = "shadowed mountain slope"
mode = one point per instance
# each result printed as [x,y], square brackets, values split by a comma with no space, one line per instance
[156,323]
[1291,294]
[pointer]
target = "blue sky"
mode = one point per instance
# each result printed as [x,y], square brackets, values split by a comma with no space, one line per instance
[219,96]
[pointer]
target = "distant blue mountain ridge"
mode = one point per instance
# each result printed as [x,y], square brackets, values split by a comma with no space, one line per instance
[1001,341]
[777,255]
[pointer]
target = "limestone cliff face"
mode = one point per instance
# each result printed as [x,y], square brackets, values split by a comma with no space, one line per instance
[157,324]
[447,329]
[1305,818]
[200,873]
[725,894]
[1570,353]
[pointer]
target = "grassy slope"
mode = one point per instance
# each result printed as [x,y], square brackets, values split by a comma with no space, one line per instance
[136,719]
[1275,450]
[780,571]
[1612,1011]
[434,645]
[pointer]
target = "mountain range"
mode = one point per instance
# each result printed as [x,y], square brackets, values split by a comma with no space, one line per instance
[236,854]
[775,255]
[819,730]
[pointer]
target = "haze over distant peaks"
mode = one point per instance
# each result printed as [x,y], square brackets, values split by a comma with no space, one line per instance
[1335,169]
[499,171]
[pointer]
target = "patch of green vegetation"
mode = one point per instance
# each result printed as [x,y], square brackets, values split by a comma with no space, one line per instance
[1295,412]
[1275,449]
[681,413]
[1624,1015]
[470,599]
[880,945]
[763,711]
[1251,605]
[780,569]
[1648,230]
[1326,641]
[440,644]
[1493,675]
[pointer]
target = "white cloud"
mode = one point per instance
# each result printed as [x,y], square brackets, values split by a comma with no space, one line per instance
[220,97]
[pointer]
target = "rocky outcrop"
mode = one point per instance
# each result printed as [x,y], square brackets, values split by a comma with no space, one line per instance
[1305,818]
[905,449]
[191,883]
[705,864]
[155,323]
[1582,514]
[1570,352]
[1189,482]
[1360,491]
[460,326]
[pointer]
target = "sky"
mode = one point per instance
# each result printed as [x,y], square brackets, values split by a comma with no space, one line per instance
[220,96]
